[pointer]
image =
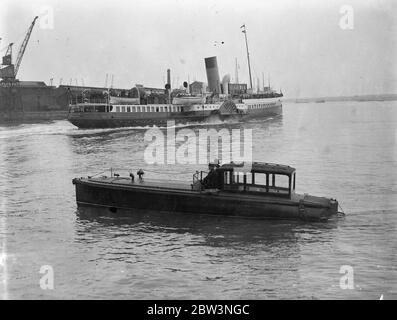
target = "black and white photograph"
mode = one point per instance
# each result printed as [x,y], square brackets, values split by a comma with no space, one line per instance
[211,152]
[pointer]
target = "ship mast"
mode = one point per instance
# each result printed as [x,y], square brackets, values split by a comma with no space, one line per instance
[236,72]
[248,55]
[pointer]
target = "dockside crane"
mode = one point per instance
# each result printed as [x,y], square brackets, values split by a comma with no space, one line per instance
[10,72]
[23,47]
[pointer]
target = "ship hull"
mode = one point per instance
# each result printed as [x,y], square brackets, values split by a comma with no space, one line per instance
[130,196]
[91,120]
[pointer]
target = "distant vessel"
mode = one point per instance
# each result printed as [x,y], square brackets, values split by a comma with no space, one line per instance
[111,115]
[265,190]
[224,100]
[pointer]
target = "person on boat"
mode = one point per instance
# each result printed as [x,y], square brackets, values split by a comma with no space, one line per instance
[132,177]
[140,173]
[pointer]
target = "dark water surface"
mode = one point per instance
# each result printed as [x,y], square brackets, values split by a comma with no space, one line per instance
[346,150]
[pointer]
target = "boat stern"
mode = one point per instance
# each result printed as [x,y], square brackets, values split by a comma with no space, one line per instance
[317,208]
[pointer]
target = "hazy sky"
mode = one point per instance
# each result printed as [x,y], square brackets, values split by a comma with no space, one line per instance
[300,44]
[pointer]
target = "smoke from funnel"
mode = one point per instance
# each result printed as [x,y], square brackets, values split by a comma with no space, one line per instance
[211,66]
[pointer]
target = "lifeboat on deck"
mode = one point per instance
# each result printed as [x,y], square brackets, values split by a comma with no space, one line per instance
[188,100]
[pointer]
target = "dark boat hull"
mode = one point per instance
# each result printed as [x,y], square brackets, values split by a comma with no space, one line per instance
[91,120]
[123,196]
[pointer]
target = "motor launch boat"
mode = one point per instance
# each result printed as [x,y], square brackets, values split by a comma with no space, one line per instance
[257,190]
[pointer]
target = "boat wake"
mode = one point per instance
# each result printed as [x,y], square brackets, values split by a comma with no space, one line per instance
[47,128]
[63,127]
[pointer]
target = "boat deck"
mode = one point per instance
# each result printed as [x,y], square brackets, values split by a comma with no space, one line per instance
[181,186]
[149,183]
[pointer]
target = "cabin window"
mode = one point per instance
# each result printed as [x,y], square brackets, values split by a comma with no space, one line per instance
[282,181]
[165,109]
[227,177]
[260,179]
[123,109]
[128,109]
[133,109]
[117,109]
[279,184]
[249,178]
[138,109]
[236,177]
[293,187]
[267,182]
[157,109]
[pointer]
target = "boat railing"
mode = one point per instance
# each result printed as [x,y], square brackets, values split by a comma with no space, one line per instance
[198,176]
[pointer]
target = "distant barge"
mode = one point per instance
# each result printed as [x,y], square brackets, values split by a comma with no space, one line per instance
[264,191]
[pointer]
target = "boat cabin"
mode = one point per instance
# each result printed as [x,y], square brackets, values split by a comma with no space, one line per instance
[260,178]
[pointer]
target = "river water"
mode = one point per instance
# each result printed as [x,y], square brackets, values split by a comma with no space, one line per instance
[345,150]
